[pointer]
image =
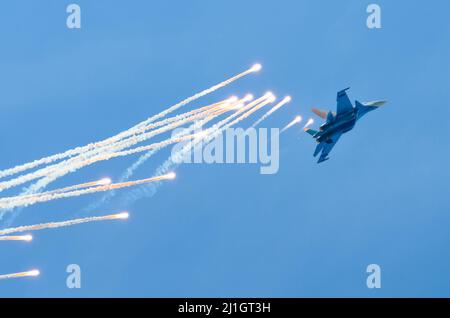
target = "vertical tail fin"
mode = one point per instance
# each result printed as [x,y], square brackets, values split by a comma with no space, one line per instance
[330,117]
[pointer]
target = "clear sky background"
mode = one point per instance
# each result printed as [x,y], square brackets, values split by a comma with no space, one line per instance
[226,230]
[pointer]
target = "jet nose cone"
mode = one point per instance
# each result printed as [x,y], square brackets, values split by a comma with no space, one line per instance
[376,103]
[380,103]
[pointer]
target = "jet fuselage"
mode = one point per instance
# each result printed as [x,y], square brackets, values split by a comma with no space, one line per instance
[341,123]
[338,123]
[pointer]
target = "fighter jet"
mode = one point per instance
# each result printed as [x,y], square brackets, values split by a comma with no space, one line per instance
[339,122]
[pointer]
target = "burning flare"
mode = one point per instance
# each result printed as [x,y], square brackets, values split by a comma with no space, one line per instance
[33,272]
[26,238]
[296,120]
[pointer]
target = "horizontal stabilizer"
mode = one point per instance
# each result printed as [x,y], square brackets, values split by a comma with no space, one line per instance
[310,131]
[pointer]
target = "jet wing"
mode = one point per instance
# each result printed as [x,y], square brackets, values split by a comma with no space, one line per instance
[343,102]
[328,146]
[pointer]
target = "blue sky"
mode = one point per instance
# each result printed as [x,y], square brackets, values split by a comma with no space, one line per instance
[226,230]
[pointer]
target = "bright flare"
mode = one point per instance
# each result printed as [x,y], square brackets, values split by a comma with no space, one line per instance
[122,216]
[53,225]
[124,134]
[171,175]
[256,67]
[26,238]
[284,101]
[31,273]
[44,197]
[270,97]
[238,103]
[103,150]
[104,181]
[309,123]
[296,120]
[232,99]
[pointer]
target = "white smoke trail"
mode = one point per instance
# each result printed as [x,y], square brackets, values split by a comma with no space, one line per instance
[308,123]
[26,238]
[133,130]
[177,138]
[20,201]
[50,197]
[107,156]
[33,272]
[53,225]
[142,127]
[74,164]
[44,181]
[32,190]
[292,123]
[103,181]
[142,159]
[36,188]
[125,176]
[176,158]
[286,100]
